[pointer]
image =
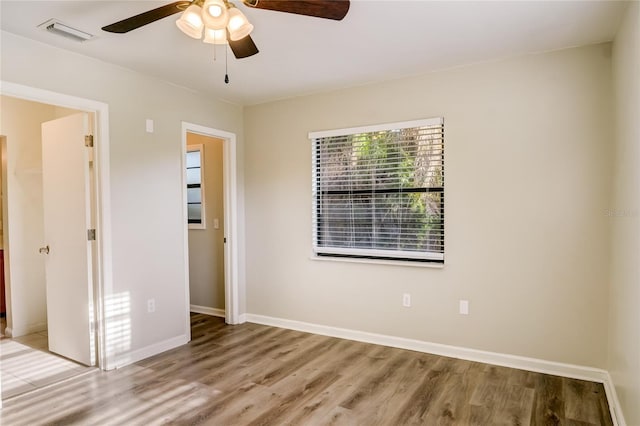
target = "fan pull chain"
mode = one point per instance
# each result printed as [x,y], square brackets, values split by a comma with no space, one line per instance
[226,63]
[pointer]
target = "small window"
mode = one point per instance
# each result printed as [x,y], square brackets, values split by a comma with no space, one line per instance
[378,192]
[195,186]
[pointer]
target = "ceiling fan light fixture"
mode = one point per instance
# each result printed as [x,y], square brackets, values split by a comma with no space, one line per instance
[215,15]
[215,36]
[190,22]
[239,26]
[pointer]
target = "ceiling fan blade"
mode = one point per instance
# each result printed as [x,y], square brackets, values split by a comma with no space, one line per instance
[244,47]
[145,18]
[329,9]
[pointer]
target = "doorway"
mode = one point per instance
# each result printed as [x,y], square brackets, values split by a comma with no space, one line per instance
[205,217]
[220,233]
[63,104]
[23,210]
[46,172]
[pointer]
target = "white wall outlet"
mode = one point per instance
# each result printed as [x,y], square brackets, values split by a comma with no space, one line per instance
[149,125]
[216,224]
[406,300]
[151,305]
[464,307]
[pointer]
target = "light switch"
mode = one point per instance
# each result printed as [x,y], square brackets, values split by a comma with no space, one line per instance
[149,125]
[216,224]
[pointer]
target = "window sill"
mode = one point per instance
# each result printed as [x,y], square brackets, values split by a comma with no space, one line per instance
[429,265]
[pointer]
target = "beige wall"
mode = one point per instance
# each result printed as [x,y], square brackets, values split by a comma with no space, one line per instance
[624,315]
[148,245]
[527,180]
[206,246]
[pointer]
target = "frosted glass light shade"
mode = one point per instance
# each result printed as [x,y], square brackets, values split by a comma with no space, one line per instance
[215,36]
[190,22]
[239,26]
[214,14]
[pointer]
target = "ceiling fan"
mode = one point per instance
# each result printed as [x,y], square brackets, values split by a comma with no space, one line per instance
[222,23]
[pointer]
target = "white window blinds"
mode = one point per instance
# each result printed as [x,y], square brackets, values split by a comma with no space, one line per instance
[378,191]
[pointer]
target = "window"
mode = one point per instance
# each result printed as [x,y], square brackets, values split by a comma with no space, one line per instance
[378,192]
[195,186]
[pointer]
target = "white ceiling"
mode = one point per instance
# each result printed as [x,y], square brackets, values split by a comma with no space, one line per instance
[377,41]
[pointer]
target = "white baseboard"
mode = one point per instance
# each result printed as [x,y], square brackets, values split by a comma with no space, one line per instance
[17,331]
[121,360]
[242,318]
[506,360]
[614,402]
[208,311]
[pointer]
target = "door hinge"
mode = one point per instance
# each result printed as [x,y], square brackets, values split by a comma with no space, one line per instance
[91,234]
[88,141]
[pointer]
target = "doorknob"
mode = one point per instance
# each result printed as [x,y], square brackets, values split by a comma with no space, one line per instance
[44,250]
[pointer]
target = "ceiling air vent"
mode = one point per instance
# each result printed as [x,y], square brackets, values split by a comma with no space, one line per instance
[56,27]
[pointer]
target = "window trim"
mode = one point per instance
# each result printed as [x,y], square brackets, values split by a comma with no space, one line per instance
[373,255]
[376,128]
[203,223]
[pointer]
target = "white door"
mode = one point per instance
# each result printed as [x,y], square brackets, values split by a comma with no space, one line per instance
[67,217]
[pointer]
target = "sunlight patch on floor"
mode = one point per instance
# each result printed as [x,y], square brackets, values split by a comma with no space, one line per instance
[24,368]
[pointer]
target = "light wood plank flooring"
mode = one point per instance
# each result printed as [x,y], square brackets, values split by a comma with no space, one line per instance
[256,375]
[26,364]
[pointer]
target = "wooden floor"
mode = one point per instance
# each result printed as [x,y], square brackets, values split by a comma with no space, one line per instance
[256,375]
[26,364]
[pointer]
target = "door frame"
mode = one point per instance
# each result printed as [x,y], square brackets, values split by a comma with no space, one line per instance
[104,282]
[230,189]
